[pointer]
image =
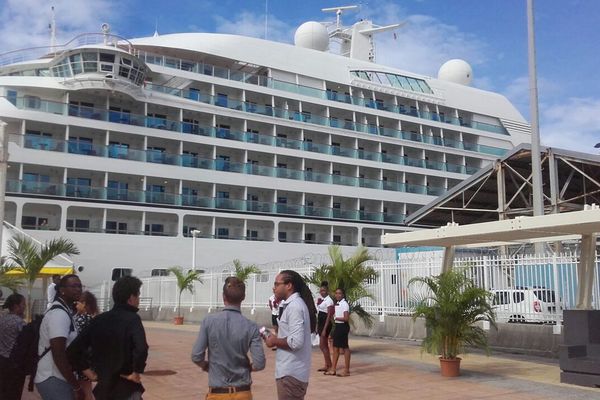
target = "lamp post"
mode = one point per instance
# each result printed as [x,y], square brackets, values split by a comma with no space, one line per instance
[195,233]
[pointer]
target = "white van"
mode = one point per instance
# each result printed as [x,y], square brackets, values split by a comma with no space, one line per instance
[526,305]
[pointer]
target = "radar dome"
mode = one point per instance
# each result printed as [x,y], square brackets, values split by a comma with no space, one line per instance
[312,35]
[457,71]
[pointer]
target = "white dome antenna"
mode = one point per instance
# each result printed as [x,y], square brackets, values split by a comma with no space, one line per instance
[312,35]
[457,71]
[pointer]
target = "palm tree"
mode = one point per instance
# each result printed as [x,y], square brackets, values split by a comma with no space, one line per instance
[185,281]
[29,257]
[349,274]
[451,304]
[8,281]
[243,272]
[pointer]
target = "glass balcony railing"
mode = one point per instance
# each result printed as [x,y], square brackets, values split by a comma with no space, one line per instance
[224,73]
[188,200]
[192,161]
[78,147]
[395,218]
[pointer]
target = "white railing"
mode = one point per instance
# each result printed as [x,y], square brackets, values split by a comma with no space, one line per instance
[526,288]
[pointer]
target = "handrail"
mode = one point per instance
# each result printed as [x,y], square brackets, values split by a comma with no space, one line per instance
[5,58]
[251,137]
[195,201]
[177,126]
[184,160]
[226,73]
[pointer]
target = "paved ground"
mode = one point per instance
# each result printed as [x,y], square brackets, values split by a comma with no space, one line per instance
[381,369]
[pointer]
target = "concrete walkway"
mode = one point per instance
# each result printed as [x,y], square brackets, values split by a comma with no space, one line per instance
[381,369]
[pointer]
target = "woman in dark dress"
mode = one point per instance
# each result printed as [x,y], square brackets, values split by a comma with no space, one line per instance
[340,333]
[87,308]
[11,323]
[324,323]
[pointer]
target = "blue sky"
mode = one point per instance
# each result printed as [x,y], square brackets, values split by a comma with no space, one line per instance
[490,34]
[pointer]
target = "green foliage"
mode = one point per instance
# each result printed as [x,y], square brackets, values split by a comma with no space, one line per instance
[185,281]
[243,272]
[451,305]
[8,281]
[350,274]
[28,257]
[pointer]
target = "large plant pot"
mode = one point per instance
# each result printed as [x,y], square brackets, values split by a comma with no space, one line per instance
[178,320]
[450,367]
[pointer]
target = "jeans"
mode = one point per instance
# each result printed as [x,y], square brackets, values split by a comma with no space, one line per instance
[55,389]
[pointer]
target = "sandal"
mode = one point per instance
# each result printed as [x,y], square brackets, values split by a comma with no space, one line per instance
[324,369]
[344,374]
[330,372]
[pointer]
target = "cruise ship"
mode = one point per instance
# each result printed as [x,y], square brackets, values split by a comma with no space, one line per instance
[194,149]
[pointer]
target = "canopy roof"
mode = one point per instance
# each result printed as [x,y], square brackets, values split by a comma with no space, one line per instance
[46,271]
[517,230]
[502,190]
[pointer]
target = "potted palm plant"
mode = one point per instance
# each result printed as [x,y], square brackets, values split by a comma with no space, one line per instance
[352,274]
[451,305]
[185,281]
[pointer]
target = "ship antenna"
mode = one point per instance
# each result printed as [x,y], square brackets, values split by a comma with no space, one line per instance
[156,28]
[338,13]
[53,32]
[266,18]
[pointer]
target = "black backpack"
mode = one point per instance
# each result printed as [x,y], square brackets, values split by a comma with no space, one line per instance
[24,354]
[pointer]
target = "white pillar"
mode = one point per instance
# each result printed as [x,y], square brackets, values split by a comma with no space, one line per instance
[585,272]
[3,172]
[448,258]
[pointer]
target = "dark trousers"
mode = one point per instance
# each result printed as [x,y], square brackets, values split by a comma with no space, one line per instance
[11,381]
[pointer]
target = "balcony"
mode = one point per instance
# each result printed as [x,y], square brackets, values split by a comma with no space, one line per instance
[228,134]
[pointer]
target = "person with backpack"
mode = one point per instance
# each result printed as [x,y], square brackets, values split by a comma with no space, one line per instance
[54,378]
[12,378]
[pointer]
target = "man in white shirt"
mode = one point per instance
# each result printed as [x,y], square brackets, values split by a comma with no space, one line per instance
[297,320]
[54,378]
[51,291]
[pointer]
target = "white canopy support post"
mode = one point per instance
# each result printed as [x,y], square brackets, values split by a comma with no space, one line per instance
[448,260]
[381,293]
[585,272]
[3,172]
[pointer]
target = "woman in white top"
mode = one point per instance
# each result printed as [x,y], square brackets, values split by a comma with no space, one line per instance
[324,317]
[340,333]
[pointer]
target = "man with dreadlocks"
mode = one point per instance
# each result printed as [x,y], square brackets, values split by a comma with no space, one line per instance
[297,319]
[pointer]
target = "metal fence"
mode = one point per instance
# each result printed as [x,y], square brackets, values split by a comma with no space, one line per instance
[525,288]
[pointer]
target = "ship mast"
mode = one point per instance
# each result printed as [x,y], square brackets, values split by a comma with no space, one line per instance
[357,40]
[52,27]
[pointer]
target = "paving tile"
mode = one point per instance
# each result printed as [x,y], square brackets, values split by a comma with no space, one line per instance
[381,369]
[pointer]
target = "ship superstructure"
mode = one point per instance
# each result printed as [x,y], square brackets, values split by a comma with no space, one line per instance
[265,151]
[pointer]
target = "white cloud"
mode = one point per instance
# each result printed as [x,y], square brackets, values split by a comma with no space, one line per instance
[517,91]
[251,24]
[424,43]
[572,124]
[25,22]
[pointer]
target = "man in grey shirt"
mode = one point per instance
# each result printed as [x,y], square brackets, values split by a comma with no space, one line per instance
[229,336]
[298,318]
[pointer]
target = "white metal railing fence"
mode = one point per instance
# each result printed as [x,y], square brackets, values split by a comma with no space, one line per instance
[526,288]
